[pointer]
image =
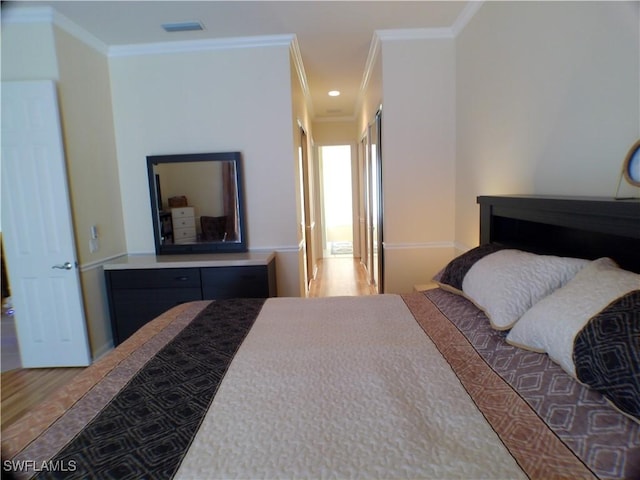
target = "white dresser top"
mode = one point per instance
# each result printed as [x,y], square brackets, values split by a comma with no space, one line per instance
[128,262]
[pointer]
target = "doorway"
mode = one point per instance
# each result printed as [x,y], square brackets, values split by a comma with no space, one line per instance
[336,201]
[10,349]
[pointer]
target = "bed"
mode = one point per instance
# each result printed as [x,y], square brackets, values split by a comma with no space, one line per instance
[421,385]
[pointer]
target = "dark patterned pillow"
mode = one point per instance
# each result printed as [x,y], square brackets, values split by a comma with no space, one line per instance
[450,278]
[607,353]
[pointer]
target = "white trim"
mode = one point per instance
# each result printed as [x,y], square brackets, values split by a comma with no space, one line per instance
[32,14]
[294,47]
[14,14]
[199,45]
[413,246]
[412,34]
[465,16]
[460,247]
[415,34]
[374,51]
[79,33]
[282,249]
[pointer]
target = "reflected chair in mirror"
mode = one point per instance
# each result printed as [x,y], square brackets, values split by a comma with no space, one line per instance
[214,229]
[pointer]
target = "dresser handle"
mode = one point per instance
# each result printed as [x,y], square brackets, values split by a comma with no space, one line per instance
[182,279]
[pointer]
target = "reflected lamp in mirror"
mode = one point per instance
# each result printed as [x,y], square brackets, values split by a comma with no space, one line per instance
[197,203]
[630,168]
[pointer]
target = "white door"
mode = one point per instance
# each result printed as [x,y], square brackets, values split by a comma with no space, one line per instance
[37,229]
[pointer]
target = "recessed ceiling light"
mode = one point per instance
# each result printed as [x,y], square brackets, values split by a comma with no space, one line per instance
[182,27]
[334,93]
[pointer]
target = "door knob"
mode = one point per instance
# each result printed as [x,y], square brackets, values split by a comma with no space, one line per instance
[66,266]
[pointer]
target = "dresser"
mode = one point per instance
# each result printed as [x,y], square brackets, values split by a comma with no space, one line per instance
[141,287]
[184,224]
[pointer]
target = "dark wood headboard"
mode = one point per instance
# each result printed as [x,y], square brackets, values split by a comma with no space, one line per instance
[584,227]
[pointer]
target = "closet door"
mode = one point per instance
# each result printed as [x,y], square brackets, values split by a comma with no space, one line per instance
[373,205]
[376,206]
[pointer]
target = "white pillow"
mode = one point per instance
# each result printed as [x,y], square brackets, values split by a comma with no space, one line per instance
[552,324]
[505,284]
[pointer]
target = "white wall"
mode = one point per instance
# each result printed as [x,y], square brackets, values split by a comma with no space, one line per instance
[418,157]
[547,101]
[236,99]
[336,132]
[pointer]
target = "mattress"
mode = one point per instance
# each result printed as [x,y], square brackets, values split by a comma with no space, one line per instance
[383,386]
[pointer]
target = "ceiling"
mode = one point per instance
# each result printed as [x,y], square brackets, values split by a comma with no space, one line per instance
[334,37]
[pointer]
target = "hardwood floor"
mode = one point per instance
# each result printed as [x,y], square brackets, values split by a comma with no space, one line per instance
[340,275]
[22,389]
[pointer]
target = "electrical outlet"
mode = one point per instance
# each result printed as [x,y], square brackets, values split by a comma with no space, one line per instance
[93,245]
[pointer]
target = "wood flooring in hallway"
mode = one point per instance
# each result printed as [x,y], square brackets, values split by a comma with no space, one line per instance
[340,276]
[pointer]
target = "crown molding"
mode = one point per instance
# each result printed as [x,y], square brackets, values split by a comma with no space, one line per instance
[158,48]
[465,16]
[31,14]
[390,35]
[302,75]
[374,51]
[452,32]
[415,34]
[80,33]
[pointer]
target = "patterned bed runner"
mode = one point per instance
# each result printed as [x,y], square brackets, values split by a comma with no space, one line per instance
[554,426]
[145,429]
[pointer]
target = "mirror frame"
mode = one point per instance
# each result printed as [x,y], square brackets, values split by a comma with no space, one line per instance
[632,159]
[199,247]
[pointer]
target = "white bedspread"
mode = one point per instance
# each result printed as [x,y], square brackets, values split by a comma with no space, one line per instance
[346,387]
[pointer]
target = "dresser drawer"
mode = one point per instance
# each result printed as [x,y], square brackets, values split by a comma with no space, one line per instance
[184,235]
[182,212]
[134,308]
[235,282]
[138,295]
[155,278]
[185,222]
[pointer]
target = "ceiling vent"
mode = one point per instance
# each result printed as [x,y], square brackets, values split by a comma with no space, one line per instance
[182,27]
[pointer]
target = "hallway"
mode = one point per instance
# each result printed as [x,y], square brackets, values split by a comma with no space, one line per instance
[338,276]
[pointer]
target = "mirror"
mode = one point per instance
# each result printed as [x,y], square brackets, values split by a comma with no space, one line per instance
[197,203]
[631,167]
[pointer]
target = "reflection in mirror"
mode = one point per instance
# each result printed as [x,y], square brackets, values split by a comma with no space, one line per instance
[196,202]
